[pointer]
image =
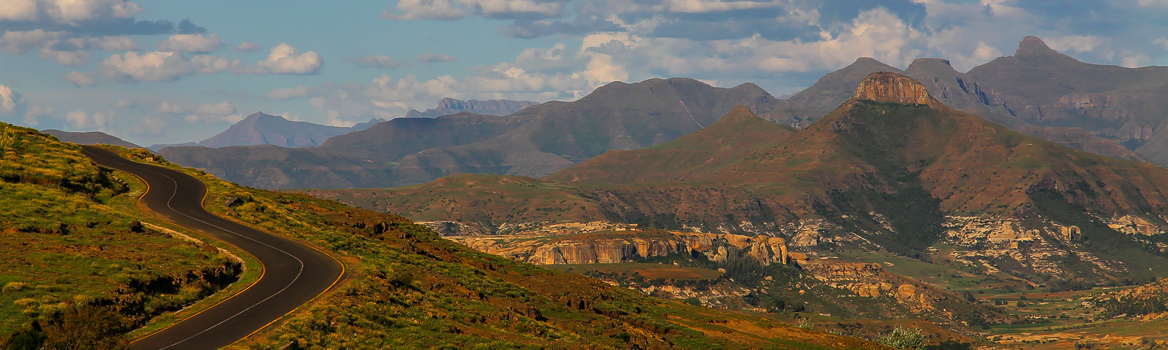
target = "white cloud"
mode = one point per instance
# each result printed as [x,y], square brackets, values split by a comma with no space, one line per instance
[17,42]
[197,43]
[432,58]
[165,107]
[1163,42]
[80,120]
[149,125]
[65,58]
[426,9]
[1076,43]
[149,66]
[18,10]
[248,46]
[378,61]
[9,100]
[80,79]
[115,43]
[124,104]
[208,113]
[445,10]
[34,113]
[1149,3]
[285,59]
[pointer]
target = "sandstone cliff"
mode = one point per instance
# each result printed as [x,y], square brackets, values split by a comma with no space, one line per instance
[625,246]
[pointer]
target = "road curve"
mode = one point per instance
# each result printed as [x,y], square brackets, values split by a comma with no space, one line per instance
[294,274]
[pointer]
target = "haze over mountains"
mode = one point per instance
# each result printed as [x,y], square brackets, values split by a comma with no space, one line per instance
[448,106]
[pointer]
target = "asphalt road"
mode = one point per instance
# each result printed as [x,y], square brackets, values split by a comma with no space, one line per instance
[293,275]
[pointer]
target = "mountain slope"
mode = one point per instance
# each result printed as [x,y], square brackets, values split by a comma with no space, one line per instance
[89,138]
[616,116]
[1046,88]
[727,140]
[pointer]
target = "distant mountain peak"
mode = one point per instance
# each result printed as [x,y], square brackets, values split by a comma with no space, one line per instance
[930,62]
[892,87]
[1032,46]
[448,106]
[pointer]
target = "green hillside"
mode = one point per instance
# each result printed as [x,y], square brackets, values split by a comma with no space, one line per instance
[77,253]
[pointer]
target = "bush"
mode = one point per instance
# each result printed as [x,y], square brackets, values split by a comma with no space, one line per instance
[903,338]
[14,287]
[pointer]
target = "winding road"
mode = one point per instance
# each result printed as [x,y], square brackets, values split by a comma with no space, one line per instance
[294,274]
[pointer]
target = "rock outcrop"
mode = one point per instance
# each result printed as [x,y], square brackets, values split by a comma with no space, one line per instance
[892,87]
[626,246]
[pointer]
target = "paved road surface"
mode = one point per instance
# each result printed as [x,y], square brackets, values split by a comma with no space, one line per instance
[294,273]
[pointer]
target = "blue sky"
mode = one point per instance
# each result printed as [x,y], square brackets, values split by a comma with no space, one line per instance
[155,71]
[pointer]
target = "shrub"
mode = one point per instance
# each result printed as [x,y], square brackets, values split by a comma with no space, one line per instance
[12,287]
[903,338]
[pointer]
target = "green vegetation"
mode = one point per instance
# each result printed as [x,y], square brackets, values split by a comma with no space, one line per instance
[79,263]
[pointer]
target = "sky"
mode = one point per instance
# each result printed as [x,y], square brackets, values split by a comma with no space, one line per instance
[164,71]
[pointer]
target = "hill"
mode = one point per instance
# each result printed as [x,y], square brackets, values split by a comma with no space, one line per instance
[448,106]
[89,138]
[81,265]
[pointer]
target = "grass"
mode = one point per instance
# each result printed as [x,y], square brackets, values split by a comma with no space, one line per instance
[71,237]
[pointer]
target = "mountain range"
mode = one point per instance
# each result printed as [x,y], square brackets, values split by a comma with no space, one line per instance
[890,169]
[537,140]
[542,139]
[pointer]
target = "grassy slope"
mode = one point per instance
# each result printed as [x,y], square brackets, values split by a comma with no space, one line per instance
[415,289]
[69,238]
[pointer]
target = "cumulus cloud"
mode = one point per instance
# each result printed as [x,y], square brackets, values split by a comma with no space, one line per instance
[190,43]
[377,61]
[167,66]
[207,113]
[9,100]
[285,59]
[149,125]
[81,120]
[149,66]
[80,79]
[445,10]
[432,58]
[248,46]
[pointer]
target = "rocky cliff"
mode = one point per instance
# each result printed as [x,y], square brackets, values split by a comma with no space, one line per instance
[893,88]
[625,246]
